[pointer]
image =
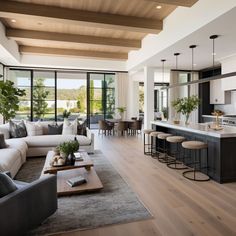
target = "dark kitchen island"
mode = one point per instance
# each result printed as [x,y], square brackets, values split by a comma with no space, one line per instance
[221,146]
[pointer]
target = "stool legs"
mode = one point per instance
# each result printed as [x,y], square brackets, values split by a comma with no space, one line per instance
[147,146]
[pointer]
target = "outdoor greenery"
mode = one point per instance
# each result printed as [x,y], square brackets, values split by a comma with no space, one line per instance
[39,99]
[186,105]
[9,99]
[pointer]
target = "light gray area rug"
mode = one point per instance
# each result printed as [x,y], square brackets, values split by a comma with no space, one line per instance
[115,204]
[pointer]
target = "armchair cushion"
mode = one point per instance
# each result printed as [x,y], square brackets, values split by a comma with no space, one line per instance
[6,185]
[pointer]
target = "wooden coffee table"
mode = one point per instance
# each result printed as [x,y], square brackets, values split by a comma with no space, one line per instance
[84,168]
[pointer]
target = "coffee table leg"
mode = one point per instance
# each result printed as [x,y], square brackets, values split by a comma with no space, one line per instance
[88,168]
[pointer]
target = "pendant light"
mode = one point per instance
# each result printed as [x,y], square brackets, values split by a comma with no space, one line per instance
[176,60]
[213,38]
[163,70]
[192,47]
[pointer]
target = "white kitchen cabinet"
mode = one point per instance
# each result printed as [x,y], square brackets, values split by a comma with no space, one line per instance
[229,83]
[217,94]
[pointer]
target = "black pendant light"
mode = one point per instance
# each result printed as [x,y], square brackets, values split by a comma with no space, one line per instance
[213,38]
[176,60]
[163,70]
[192,47]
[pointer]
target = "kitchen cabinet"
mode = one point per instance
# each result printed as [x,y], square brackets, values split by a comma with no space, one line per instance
[229,83]
[217,94]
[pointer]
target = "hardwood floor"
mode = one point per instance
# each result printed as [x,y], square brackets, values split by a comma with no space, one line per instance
[179,206]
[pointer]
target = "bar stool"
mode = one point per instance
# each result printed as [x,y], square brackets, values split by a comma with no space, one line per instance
[176,154]
[154,150]
[197,147]
[147,151]
[163,150]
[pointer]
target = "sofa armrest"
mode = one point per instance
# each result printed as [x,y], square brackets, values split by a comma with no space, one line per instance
[29,206]
[89,134]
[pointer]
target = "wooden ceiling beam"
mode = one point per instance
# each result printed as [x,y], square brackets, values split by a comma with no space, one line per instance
[18,34]
[183,3]
[72,52]
[11,9]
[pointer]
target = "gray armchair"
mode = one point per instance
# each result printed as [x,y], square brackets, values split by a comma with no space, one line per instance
[28,206]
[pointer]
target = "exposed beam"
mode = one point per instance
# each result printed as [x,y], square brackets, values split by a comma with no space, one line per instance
[184,3]
[72,52]
[72,38]
[11,9]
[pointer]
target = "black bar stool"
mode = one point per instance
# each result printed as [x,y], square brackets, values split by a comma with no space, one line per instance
[163,150]
[154,146]
[147,144]
[196,147]
[176,161]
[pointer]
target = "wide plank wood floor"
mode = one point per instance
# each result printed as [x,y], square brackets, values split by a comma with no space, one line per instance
[179,206]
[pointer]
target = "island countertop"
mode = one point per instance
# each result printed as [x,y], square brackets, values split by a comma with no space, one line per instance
[199,128]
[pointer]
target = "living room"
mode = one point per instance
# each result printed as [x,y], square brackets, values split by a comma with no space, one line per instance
[117,117]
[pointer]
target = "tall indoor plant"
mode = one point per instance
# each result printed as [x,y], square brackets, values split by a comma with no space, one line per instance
[9,99]
[186,105]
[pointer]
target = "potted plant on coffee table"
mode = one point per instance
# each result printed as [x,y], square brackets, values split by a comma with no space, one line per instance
[67,150]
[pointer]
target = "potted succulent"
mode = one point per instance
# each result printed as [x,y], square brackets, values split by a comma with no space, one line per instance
[121,111]
[67,150]
[186,105]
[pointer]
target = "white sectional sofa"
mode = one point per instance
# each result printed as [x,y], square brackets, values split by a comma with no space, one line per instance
[12,157]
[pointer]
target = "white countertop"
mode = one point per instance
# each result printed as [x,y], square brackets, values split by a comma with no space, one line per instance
[200,128]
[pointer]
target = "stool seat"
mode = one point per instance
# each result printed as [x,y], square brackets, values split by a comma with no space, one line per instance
[194,145]
[175,139]
[164,136]
[155,133]
[148,131]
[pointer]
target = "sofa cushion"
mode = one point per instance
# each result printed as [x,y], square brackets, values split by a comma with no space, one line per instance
[2,141]
[4,129]
[48,141]
[55,129]
[17,130]
[69,127]
[6,185]
[10,160]
[34,128]
[20,145]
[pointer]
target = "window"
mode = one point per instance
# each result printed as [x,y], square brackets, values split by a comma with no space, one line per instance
[22,80]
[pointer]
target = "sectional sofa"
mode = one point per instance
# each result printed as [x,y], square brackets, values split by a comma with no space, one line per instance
[12,157]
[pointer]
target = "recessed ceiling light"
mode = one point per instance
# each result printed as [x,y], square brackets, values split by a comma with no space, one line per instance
[214,54]
[158,7]
[13,20]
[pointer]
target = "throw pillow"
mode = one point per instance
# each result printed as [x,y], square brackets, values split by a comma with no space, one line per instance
[2,142]
[55,129]
[17,130]
[6,185]
[81,129]
[69,127]
[34,129]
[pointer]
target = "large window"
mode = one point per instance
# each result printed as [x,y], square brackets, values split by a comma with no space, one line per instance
[72,95]
[48,93]
[22,80]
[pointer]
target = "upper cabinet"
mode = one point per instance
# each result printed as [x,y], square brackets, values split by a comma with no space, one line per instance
[217,93]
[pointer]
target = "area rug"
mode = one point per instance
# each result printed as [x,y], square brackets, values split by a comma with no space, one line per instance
[115,204]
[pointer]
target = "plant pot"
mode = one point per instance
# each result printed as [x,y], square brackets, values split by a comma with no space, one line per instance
[186,119]
[71,159]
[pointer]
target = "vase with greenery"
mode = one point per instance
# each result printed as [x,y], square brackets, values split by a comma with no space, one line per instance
[66,114]
[121,111]
[9,99]
[186,105]
[176,104]
[67,150]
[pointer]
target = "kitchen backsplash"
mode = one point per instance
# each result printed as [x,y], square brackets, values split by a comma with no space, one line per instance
[229,108]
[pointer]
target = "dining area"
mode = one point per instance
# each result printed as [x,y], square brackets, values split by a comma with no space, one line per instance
[120,127]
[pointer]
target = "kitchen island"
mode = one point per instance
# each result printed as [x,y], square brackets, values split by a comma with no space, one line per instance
[221,146]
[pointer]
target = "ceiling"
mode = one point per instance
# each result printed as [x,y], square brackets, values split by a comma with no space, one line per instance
[225,46]
[102,29]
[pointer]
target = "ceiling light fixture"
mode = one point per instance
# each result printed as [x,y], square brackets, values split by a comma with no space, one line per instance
[213,38]
[192,69]
[158,7]
[163,70]
[13,20]
[176,60]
